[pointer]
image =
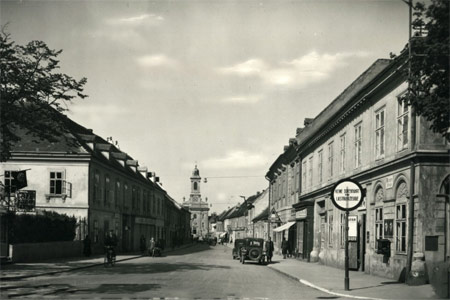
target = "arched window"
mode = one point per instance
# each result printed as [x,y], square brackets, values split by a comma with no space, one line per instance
[379,200]
[401,197]
[195,186]
[445,187]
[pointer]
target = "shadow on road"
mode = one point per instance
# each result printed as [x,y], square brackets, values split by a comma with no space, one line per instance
[120,288]
[152,267]
[189,250]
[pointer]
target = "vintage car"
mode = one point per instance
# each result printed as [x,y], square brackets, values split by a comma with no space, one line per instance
[253,249]
[238,243]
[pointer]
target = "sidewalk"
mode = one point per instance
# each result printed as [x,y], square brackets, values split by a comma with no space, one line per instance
[362,286]
[18,271]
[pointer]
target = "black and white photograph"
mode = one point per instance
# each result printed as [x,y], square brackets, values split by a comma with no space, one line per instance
[225,149]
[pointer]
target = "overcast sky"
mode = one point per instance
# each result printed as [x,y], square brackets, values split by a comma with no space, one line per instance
[223,84]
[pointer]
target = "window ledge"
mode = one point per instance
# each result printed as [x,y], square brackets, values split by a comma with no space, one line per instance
[49,196]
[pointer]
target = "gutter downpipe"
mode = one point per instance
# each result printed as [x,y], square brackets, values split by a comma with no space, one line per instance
[268,219]
[410,252]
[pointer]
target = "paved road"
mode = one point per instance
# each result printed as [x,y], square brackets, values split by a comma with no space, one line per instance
[199,272]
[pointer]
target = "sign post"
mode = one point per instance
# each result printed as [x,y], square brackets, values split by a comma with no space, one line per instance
[347,195]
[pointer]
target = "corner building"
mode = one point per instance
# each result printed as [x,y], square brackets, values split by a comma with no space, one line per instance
[369,135]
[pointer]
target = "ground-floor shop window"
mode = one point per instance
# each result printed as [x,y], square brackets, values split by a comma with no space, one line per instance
[330,229]
[378,223]
[95,231]
[400,228]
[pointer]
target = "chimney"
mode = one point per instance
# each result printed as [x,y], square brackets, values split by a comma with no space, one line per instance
[293,142]
[120,157]
[307,122]
[133,164]
[285,148]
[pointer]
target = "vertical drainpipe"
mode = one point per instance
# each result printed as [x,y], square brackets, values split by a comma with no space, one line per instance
[410,252]
[269,213]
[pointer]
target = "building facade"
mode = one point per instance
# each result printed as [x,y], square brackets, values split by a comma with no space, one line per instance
[284,190]
[82,175]
[197,207]
[368,134]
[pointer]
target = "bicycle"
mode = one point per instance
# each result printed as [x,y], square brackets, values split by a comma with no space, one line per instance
[110,257]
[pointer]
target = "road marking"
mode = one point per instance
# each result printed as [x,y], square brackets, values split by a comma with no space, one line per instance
[307,283]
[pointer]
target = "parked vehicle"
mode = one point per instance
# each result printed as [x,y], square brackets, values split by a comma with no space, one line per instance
[238,243]
[253,249]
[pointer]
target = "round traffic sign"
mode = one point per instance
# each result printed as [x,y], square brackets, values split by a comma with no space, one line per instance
[347,194]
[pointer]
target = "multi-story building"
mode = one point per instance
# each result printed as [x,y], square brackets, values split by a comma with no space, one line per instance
[197,207]
[82,175]
[284,189]
[368,134]
[259,203]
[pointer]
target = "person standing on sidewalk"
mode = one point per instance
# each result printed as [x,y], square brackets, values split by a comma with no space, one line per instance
[269,250]
[151,247]
[87,246]
[284,247]
[143,243]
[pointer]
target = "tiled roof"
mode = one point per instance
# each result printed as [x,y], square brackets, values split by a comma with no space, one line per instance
[75,140]
[264,215]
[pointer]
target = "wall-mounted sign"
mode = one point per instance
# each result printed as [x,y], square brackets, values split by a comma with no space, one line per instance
[347,194]
[301,214]
[388,228]
[389,182]
[352,228]
[25,201]
[146,221]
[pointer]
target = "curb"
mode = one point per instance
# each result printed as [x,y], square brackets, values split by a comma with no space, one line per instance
[78,268]
[311,285]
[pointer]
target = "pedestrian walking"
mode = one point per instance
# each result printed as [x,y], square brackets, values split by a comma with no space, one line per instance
[284,247]
[151,247]
[87,246]
[269,250]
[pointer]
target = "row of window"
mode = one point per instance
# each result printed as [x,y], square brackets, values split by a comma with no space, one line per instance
[402,129]
[286,185]
[112,195]
[57,183]
[398,232]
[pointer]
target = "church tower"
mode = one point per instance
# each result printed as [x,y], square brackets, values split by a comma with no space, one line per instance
[197,207]
[195,185]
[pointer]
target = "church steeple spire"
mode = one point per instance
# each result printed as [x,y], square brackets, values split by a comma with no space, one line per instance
[195,184]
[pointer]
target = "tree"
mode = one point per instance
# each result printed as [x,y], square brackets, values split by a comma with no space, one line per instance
[429,75]
[32,94]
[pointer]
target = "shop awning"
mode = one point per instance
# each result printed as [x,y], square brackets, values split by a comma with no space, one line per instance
[284,226]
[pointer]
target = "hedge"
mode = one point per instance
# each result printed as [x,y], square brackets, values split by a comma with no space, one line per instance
[43,227]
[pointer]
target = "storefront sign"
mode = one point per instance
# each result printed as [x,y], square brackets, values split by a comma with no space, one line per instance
[347,195]
[301,214]
[352,228]
[146,221]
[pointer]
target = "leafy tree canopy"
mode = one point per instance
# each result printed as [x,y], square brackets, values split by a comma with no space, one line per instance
[32,92]
[429,78]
